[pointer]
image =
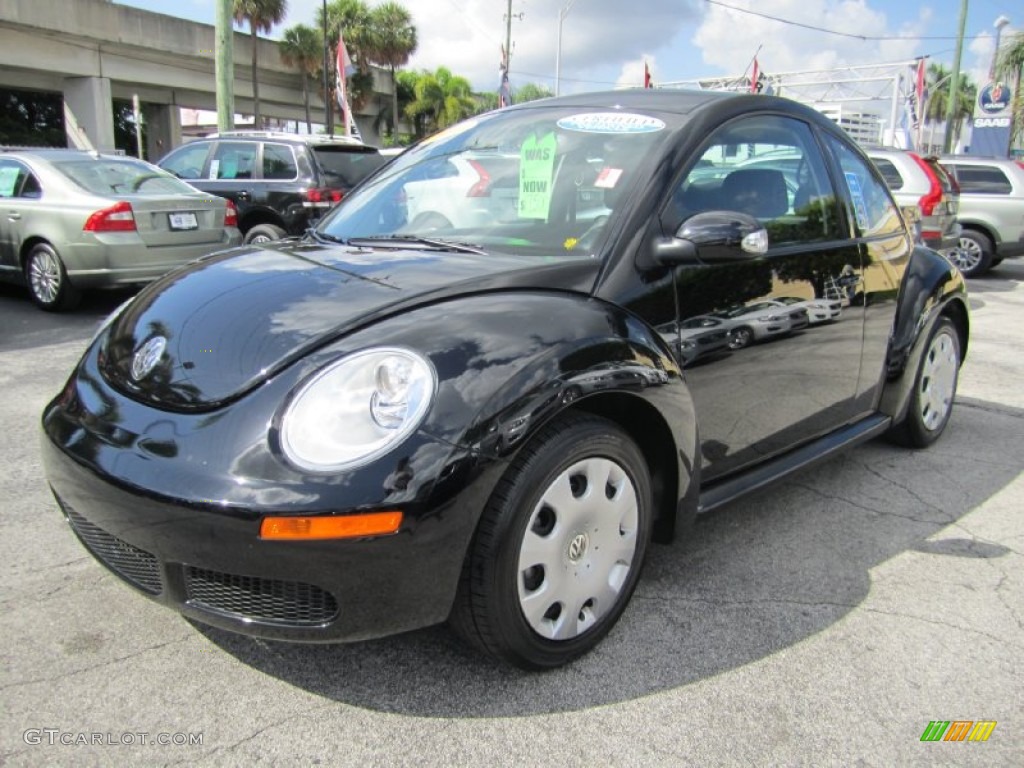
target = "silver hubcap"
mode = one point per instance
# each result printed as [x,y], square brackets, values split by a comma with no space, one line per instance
[967,256]
[260,239]
[938,380]
[44,276]
[578,549]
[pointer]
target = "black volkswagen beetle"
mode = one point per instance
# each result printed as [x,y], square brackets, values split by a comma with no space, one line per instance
[458,407]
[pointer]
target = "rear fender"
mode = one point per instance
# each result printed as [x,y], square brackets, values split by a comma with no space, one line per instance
[931,288]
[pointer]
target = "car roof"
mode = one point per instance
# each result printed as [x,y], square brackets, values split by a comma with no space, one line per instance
[681,101]
[60,153]
[300,138]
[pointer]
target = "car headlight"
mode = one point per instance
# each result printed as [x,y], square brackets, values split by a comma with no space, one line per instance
[356,409]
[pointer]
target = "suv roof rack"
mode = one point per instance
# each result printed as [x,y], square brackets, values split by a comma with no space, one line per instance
[252,133]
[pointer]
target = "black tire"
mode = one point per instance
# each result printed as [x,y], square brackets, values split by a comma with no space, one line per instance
[47,280]
[264,233]
[931,402]
[498,610]
[976,253]
[741,337]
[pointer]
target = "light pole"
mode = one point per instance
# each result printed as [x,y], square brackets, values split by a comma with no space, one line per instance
[999,23]
[558,51]
[328,112]
[954,83]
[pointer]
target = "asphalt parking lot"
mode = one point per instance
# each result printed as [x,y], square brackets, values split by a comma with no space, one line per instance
[824,621]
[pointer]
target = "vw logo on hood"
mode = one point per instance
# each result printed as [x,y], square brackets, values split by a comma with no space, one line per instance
[147,356]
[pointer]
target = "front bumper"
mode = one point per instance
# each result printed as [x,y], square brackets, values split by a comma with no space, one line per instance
[210,565]
[172,504]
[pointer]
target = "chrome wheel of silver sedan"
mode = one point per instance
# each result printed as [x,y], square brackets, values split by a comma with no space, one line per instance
[47,280]
[559,548]
[937,382]
[578,548]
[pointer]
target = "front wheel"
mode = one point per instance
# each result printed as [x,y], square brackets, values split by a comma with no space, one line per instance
[559,548]
[741,337]
[931,402]
[48,279]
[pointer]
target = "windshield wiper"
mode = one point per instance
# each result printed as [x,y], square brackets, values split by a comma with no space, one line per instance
[431,242]
[323,236]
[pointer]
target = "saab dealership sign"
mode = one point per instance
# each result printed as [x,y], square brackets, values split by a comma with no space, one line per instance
[991,132]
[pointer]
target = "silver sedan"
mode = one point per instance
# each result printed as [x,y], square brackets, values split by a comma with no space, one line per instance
[72,220]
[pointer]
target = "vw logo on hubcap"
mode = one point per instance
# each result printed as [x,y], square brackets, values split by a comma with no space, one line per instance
[578,547]
[147,356]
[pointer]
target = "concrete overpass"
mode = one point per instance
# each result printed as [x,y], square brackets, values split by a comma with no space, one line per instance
[92,51]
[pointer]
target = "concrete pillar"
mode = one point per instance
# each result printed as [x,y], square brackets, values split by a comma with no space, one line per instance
[89,100]
[163,129]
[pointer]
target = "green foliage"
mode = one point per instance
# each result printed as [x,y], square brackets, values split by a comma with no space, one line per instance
[124,128]
[261,15]
[531,92]
[441,99]
[31,118]
[1010,65]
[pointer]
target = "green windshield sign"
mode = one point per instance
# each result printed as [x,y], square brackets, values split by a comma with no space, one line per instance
[536,164]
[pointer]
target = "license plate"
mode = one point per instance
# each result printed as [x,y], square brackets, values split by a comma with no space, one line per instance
[183,221]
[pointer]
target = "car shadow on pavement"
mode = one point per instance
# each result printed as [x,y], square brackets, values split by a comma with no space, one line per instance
[747,582]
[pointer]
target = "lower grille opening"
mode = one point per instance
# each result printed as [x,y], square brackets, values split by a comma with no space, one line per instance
[272,601]
[134,565]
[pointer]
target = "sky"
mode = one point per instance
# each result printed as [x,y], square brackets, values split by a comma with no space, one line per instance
[605,43]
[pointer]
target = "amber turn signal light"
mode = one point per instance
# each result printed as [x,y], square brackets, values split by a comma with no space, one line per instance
[339,527]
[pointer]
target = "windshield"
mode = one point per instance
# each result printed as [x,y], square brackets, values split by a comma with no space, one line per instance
[108,176]
[541,181]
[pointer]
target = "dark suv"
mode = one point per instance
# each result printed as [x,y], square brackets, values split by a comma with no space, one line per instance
[281,183]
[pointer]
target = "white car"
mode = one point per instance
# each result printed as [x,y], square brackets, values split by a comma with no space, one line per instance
[818,310]
[759,321]
[464,191]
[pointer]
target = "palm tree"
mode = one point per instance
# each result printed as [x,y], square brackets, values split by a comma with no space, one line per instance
[1010,65]
[302,48]
[939,95]
[261,15]
[392,42]
[442,99]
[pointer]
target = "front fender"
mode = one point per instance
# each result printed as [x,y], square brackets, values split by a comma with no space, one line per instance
[510,362]
[931,288]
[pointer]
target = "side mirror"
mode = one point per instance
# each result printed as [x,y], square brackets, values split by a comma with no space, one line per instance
[713,237]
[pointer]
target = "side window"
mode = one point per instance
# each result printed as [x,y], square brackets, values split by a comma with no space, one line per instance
[889,173]
[873,209]
[278,162]
[982,180]
[769,167]
[17,181]
[187,162]
[233,160]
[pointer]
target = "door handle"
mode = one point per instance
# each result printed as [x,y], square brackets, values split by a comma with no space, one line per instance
[244,195]
[13,215]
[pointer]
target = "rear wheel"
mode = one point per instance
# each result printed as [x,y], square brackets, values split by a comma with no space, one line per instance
[48,281]
[974,257]
[931,402]
[558,550]
[264,233]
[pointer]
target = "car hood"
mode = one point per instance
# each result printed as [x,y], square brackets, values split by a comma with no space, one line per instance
[234,319]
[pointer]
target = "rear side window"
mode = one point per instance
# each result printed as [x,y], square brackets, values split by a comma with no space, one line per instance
[345,167]
[873,208]
[187,162]
[278,162]
[17,181]
[889,173]
[234,160]
[983,180]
